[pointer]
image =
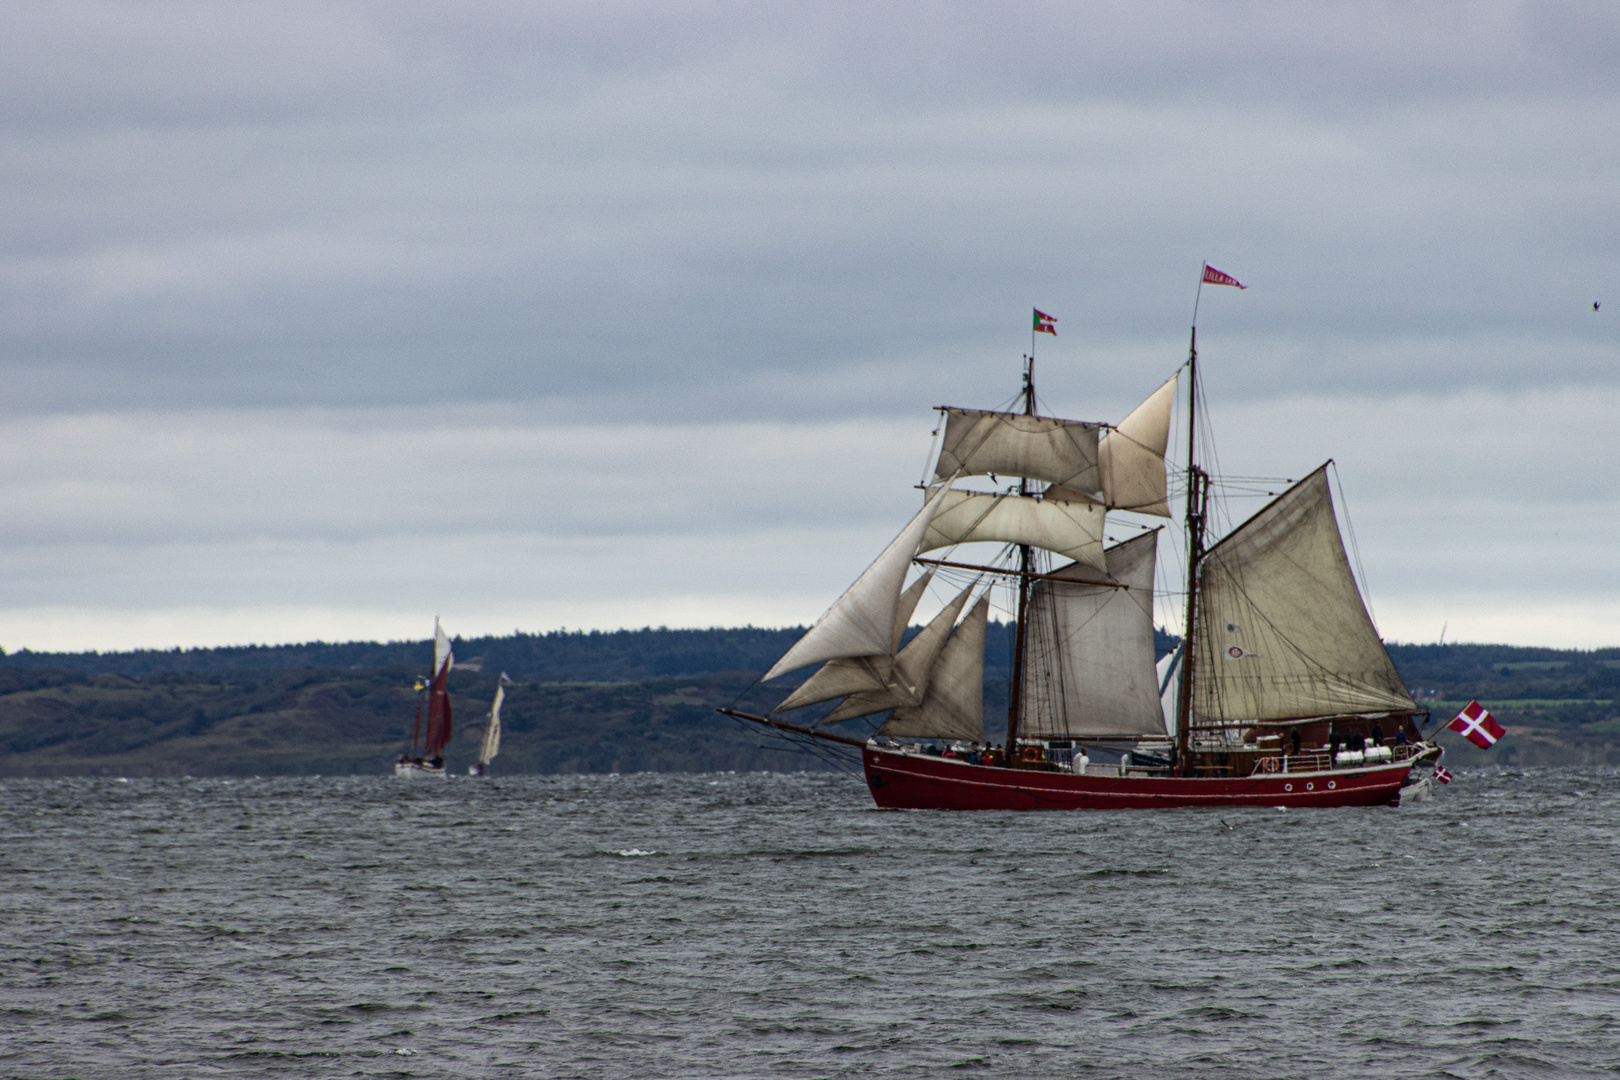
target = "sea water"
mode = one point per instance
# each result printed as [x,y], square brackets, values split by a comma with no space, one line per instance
[781,926]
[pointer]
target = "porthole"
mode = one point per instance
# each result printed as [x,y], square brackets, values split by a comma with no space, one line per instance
[1310,787]
[1288,787]
[1332,784]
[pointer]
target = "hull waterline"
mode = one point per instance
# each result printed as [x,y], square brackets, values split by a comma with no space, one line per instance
[910,781]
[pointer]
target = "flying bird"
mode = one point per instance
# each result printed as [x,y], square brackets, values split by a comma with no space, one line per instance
[1594,305]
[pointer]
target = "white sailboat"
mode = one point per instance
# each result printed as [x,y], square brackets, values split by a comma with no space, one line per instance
[492,733]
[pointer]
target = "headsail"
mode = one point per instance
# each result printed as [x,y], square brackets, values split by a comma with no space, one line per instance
[852,675]
[912,668]
[953,706]
[1088,667]
[1131,457]
[1071,529]
[1282,630]
[978,443]
[861,622]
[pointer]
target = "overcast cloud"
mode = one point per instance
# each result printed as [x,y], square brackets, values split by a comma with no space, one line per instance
[317,319]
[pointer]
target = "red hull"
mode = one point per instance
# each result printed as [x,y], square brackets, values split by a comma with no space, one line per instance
[901,781]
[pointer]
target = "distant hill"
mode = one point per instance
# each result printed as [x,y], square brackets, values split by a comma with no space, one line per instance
[561,655]
[620,701]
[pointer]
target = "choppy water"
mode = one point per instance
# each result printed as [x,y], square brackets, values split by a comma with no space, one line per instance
[779,926]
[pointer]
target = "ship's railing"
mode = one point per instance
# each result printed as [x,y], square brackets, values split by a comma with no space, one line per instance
[1323,761]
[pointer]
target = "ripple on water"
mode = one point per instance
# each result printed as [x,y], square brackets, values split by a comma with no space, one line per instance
[758,925]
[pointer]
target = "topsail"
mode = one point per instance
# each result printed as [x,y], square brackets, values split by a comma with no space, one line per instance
[1131,457]
[1045,448]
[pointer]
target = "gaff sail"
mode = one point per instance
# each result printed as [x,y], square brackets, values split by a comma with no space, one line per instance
[1283,633]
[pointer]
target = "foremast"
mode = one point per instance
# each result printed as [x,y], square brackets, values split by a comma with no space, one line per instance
[1015,695]
[1197,513]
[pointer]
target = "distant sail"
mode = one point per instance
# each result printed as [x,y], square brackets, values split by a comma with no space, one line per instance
[492,734]
[1277,595]
[1071,529]
[1131,457]
[861,622]
[979,443]
[1088,662]
[953,707]
[852,675]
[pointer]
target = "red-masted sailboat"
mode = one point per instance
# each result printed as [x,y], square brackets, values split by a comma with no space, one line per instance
[1280,694]
[426,754]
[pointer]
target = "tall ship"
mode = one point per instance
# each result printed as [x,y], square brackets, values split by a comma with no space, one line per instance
[425,755]
[1280,692]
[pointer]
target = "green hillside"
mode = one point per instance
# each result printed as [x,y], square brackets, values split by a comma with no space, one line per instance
[586,703]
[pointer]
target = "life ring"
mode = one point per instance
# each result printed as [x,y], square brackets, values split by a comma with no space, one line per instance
[1269,764]
[1032,753]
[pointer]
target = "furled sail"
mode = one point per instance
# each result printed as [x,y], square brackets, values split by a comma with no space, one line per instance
[492,734]
[1131,457]
[854,674]
[861,622]
[908,680]
[1088,661]
[953,706]
[1071,529]
[978,443]
[1282,630]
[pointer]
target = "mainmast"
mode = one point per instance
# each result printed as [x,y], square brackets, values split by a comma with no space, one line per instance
[1015,692]
[1197,504]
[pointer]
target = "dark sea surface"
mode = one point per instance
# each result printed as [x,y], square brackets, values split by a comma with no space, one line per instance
[780,926]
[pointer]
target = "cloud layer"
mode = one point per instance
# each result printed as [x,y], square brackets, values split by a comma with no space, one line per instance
[357,310]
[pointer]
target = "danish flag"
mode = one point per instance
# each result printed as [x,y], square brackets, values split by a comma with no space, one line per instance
[1442,774]
[1477,726]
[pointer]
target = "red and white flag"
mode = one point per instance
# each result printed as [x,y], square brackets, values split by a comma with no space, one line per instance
[1213,276]
[1442,774]
[1477,726]
[1044,323]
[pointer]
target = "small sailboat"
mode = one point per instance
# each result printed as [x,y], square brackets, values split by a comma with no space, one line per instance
[492,733]
[426,754]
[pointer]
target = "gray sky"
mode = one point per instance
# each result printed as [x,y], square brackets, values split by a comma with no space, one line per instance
[320,318]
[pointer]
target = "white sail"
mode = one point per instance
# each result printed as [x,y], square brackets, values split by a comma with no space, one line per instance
[861,622]
[953,706]
[1282,630]
[1071,529]
[1088,659]
[492,734]
[852,675]
[1131,457]
[908,678]
[979,443]
[442,653]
